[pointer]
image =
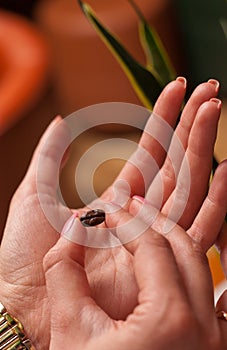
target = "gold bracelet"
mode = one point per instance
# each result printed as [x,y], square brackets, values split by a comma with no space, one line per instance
[12,336]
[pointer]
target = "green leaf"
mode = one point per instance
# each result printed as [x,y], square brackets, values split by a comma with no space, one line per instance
[156,54]
[145,82]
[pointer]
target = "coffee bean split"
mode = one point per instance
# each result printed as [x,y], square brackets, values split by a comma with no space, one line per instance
[93,217]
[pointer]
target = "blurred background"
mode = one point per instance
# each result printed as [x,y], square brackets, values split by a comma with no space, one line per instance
[52,62]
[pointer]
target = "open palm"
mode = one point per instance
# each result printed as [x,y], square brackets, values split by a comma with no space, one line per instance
[29,235]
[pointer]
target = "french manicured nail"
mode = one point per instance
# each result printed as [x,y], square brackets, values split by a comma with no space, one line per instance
[139,199]
[217,101]
[182,80]
[215,83]
[68,224]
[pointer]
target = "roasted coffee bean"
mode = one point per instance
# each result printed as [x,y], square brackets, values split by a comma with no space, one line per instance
[93,217]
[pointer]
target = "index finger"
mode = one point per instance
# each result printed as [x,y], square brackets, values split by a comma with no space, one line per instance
[154,261]
[167,108]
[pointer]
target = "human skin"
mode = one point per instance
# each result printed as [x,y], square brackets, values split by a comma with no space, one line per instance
[29,236]
[175,307]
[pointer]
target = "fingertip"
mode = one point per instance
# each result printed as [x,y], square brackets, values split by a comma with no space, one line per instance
[221,171]
[139,199]
[73,231]
[217,102]
[206,90]
[209,110]
[179,84]
[126,227]
[50,151]
[58,124]
[57,133]
[56,120]
[182,80]
[215,83]
[170,101]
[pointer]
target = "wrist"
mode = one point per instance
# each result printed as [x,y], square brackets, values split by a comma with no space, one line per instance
[24,308]
[14,304]
[12,334]
[11,300]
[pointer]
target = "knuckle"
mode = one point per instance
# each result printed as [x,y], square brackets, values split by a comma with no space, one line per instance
[23,193]
[198,251]
[53,258]
[157,240]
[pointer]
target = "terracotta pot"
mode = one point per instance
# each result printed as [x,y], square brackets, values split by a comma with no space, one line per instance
[84,71]
[23,68]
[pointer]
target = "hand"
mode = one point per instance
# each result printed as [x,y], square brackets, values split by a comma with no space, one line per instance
[29,236]
[196,132]
[172,272]
[175,308]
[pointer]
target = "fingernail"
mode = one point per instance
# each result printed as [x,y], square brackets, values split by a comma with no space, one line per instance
[139,199]
[215,83]
[182,80]
[54,123]
[56,120]
[217,101]
[68,224]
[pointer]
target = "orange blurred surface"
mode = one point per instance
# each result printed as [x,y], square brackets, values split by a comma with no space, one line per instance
[215,266]
[23,67]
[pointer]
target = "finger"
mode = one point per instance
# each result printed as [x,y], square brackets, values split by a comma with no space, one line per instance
[168,173]
[150,154]
[204,92]
[208,223]
[192,181]
[154,262]
[28,210]
[66,286]
[43,172]
[191,261]
[71,304]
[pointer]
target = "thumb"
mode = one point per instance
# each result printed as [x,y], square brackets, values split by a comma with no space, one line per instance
[67,287]
[73,312]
